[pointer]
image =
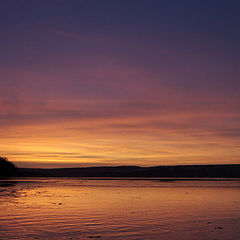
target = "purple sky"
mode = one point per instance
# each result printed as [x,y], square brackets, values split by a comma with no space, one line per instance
[121,82]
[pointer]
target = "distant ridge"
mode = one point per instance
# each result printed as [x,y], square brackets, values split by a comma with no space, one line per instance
[186,171]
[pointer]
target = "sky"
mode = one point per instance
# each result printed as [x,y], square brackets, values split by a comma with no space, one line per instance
[119,82]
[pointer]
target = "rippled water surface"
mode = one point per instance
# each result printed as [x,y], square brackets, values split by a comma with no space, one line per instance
[70,208]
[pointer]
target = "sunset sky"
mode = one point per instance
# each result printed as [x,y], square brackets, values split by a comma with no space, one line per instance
[119,82]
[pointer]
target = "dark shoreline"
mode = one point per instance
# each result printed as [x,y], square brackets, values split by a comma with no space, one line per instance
[181,171]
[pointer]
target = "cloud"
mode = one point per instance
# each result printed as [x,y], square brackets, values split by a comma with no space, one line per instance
[229,133]
[68,34]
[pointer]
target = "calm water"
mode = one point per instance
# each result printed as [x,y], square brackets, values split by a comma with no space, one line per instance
[67,208]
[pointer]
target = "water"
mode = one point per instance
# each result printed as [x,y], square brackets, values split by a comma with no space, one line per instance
[71,208]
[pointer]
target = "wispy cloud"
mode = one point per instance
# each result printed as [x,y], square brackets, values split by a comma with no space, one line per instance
[68,34]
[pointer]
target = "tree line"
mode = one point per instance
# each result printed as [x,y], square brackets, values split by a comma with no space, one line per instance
[7,168]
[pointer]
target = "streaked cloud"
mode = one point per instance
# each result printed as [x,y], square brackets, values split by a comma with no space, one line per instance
[107,85]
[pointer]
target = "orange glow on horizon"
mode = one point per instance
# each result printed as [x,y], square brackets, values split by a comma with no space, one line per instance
[136,138]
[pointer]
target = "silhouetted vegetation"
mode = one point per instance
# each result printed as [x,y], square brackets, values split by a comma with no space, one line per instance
[7,168]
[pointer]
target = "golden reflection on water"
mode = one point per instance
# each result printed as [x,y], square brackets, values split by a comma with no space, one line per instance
[119,209]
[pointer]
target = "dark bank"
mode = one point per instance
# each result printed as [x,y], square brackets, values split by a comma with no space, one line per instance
[187,171]
[8,169]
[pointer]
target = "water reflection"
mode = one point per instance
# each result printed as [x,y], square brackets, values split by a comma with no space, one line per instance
[119,209]
[4,183]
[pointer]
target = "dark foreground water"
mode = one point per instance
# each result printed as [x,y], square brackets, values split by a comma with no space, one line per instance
[67,208]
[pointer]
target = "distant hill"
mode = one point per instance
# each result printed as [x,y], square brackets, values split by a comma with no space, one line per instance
[186,171]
